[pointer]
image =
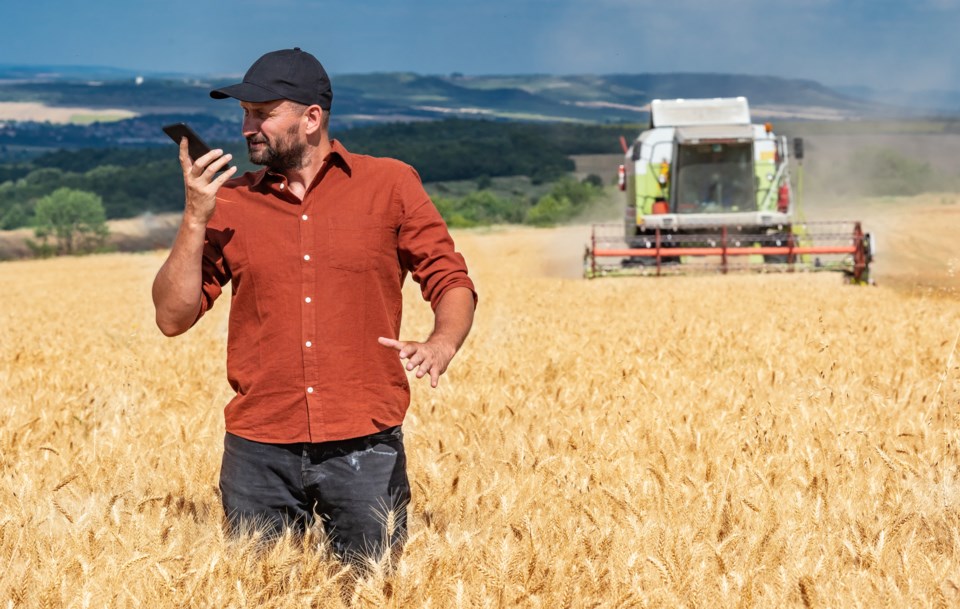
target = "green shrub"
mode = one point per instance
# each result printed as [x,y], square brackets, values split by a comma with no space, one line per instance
[549,210]
[74,218]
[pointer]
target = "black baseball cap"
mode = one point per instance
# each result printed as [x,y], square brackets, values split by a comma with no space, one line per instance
[286,74]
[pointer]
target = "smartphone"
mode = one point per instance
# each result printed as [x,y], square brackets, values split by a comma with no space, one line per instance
[196,146]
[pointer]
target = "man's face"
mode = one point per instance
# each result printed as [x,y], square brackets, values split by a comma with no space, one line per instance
[273,134]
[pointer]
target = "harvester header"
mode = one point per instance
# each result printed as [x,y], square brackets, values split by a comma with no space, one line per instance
[707,189]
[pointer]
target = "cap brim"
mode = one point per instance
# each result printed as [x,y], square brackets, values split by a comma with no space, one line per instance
[247,92]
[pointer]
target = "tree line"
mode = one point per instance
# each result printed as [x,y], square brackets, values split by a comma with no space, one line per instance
[132,181]
[566,199]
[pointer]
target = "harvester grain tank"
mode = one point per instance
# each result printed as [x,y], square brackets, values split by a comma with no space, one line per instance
[706,189]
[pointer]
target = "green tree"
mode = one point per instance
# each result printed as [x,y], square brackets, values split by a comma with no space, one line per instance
[483,182]
[484,207]
[578,193]
[74,218]
[451,212]
[549,210]
[593,180]
[45,176]
[14,217]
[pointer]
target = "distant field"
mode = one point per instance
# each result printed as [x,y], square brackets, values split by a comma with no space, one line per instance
[940,150]
[147,232]
[870,127]
[915,236]
[32,111]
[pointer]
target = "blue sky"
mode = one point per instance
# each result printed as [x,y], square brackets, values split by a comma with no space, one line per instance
[905,45]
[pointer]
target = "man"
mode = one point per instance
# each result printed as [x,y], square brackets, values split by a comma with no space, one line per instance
[316,246]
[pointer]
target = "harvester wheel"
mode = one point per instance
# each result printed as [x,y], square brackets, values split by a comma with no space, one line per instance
[779,240]
[637,261]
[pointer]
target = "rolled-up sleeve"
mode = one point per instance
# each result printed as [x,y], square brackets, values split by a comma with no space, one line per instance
[425,246]
[215,271]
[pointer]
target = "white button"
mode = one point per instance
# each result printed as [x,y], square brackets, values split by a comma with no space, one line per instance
[309,344]
[307,299]
[306,256]
[303,217]
[309,389]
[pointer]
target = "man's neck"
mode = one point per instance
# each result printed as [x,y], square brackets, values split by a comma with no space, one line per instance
[298,180]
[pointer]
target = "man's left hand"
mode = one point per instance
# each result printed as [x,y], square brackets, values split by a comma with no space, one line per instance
[431,357]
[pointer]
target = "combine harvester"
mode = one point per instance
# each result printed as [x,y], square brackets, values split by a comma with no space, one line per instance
[708,191]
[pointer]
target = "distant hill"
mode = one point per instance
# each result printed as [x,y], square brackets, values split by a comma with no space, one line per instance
[52,72]
[927,101]
[391,97]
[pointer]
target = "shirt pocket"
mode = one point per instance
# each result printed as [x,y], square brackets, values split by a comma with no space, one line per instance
[355,242]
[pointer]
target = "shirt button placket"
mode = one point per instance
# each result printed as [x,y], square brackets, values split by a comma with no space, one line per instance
[308,282]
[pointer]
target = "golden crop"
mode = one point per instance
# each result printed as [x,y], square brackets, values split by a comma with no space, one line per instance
[738,441]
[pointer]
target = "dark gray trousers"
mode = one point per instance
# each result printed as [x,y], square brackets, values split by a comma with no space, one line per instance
[351,485]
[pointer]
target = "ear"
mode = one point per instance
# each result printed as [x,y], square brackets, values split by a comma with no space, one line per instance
[313,119]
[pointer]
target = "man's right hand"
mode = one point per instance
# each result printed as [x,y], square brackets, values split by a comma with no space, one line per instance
[201,182]
[178,287]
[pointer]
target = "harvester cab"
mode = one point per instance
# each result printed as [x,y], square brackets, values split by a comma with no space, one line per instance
[706,189]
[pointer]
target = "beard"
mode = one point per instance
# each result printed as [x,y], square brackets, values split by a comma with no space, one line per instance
[283,153]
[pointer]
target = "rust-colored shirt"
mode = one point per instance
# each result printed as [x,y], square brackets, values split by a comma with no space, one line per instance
[315,282]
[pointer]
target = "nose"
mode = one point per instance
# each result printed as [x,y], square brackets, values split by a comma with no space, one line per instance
[251,126]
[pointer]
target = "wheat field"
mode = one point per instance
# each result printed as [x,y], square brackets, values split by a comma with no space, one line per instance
[738,441]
